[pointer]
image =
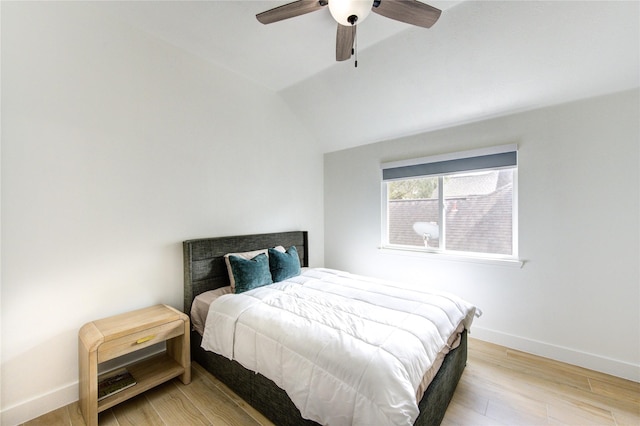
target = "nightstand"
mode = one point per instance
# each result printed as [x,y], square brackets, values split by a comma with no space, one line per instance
[108,338]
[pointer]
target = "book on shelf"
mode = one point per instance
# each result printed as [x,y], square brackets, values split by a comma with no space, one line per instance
[114,382]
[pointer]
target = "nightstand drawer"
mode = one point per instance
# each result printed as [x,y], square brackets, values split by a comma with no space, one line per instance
[133,342]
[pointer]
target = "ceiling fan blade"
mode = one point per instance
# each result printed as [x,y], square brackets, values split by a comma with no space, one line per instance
[409,11]
[290,10]
[344,42]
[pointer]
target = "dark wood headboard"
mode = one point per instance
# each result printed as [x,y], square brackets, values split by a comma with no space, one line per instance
[204,266]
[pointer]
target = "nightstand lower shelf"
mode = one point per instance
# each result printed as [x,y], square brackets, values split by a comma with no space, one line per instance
[146,373]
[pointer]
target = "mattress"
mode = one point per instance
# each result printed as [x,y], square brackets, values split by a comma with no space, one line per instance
[347,349]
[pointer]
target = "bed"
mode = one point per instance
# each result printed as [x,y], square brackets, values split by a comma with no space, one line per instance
[205,269]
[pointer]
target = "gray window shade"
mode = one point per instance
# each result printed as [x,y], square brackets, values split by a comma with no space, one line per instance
[481,162]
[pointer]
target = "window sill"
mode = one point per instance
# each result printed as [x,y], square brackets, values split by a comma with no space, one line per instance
[415,252]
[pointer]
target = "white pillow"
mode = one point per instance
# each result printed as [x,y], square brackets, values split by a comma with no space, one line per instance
[246,255]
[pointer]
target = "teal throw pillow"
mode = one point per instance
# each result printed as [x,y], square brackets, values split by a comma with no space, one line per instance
[250,273]
[284,265]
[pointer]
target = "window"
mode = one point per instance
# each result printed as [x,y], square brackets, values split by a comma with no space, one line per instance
[459,203]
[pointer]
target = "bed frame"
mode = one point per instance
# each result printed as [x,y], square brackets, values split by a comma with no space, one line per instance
[205,269]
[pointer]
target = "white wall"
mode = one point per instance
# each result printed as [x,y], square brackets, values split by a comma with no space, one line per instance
[577,298]
[116,148]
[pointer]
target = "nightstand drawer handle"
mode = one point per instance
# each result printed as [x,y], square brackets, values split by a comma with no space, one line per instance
[145,339]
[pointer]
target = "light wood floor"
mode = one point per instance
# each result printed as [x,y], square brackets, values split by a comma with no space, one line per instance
[500,386]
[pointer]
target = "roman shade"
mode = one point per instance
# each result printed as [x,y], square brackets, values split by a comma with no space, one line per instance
[468,161]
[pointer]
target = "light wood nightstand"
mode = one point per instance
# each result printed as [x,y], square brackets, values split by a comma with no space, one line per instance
[108,338]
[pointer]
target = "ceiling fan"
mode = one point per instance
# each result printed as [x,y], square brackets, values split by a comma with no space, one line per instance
[349,13]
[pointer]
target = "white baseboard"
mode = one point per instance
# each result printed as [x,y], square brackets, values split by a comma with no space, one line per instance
[559,353]
[65,395]
[39,405]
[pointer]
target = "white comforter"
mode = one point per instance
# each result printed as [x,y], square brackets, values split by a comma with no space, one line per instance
[347,349]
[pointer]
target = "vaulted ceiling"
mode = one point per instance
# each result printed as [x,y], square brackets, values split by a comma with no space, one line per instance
[481,59]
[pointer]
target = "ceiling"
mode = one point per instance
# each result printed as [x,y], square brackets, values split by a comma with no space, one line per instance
[481,59]
[228,34]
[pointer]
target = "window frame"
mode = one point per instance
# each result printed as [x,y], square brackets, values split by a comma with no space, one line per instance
[445,253]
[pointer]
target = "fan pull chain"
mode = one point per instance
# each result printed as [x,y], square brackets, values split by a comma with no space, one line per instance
[356,50]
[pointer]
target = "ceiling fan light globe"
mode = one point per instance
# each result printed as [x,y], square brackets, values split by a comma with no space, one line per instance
[343,10]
